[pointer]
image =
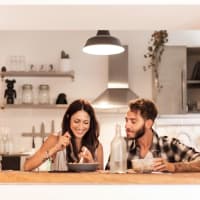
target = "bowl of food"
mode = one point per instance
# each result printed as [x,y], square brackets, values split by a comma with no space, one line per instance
[142,165]
[82,167]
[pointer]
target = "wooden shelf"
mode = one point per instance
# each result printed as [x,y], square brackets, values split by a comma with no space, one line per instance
[69,74]
[35,106]
[193,82]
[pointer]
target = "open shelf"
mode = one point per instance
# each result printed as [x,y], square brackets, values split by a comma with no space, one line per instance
[69,74]
[35,106]
[193,82]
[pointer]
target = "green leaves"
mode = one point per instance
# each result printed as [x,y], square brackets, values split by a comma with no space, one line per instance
[154,53]
[156,48]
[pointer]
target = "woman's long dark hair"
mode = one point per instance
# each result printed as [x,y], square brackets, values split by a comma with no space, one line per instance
[90,139]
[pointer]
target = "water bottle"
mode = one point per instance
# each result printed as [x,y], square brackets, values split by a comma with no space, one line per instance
[118,156]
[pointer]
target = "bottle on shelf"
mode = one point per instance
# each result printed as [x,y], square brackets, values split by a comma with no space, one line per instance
[118,157]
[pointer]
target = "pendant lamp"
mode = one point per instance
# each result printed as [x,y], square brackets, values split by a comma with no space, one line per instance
[103,44]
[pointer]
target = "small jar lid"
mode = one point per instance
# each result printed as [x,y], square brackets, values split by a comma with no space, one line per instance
[27,86]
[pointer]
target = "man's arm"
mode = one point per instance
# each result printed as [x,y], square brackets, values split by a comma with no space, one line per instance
[192,166]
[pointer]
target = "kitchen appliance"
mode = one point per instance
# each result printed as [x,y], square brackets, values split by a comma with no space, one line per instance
[13,161]
[118,94]
[10,162]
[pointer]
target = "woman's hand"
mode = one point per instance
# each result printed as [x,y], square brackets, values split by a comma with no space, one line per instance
[161,165]
[85,155]
[63,141]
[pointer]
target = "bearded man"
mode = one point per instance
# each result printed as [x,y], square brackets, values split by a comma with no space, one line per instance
[169,154]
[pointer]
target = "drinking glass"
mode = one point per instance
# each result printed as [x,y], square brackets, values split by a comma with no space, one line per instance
[22,63]
[13,63]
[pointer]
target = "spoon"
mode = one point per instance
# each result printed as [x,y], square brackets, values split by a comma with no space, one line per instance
[82,158]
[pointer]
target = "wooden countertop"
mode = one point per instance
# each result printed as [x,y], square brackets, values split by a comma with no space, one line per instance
[99,177]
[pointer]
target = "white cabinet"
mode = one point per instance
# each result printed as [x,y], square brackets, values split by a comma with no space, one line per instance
[172,97]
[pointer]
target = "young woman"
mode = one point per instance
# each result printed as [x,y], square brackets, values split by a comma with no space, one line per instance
[77,142]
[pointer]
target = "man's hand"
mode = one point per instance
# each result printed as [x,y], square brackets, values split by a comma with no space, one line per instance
[161,165]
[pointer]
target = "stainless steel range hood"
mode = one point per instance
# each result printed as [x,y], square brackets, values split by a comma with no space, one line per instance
[118,94]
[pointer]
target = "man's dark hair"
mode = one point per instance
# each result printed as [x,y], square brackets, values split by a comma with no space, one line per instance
[146,107]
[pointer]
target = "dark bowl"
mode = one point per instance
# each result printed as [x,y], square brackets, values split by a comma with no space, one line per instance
[82,167]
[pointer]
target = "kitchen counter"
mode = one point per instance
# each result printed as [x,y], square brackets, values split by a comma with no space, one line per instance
[99,177]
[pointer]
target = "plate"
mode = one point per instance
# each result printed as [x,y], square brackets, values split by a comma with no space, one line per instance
[82,167]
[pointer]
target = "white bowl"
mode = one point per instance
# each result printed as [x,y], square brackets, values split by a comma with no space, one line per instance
[142,165]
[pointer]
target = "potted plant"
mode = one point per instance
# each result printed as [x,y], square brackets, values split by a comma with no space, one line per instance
[154,54]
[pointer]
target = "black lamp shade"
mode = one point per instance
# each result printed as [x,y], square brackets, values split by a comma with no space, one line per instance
[103,44]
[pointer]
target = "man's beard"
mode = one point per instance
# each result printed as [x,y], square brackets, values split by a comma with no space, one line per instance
[140,132]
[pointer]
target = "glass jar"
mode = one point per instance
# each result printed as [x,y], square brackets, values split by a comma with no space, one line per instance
[44,94]
[27,94]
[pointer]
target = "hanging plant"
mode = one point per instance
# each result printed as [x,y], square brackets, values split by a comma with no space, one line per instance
[155,50]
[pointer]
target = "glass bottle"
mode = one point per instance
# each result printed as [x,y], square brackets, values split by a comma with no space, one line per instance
[27,94]
[118,156]
[44,94]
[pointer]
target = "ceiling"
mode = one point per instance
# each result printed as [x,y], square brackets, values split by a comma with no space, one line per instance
[90,17]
